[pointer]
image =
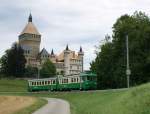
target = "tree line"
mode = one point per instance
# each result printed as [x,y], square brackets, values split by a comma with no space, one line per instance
[13,64]
[110,62]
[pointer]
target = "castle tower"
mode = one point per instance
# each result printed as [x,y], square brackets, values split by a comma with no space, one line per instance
[30,39]
[67,60]
[80,55]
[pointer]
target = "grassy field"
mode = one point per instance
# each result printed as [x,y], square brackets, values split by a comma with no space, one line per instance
[129,101]
[133,101]
[11,85]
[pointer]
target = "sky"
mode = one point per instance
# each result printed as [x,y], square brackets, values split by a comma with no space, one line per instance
[60,22]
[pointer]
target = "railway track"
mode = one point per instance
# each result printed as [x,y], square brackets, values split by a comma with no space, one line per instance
[72,91]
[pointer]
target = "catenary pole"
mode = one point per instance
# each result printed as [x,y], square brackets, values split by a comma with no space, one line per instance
[128,72]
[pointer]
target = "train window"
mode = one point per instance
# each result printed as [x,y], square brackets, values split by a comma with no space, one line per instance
[53,81]
[91,78]
[49,82]
[77,80]
[30,84]
[88,78]
[74,79]
[45,82]
[71,79]
[84,78]
[65,81]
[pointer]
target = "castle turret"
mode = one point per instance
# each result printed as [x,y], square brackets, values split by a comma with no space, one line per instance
[52,56]
[81,55]
[52,52]
[30,39]
[67,60]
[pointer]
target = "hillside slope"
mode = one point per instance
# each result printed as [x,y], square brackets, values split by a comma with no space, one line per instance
[130,101]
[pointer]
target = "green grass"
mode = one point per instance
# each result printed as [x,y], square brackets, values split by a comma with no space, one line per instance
[12,85]
[129,101]
[29,110]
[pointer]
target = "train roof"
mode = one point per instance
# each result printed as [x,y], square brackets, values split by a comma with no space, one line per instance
[42,79]
[88,74]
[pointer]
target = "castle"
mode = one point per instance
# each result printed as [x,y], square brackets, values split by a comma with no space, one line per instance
[67,62]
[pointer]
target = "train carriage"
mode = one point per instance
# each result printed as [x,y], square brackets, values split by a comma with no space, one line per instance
[69,82]
[82,81]
[47,84]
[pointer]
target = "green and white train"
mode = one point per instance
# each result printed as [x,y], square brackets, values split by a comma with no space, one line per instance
[82,81]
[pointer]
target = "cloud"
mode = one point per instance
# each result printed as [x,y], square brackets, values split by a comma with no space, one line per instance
[61,22]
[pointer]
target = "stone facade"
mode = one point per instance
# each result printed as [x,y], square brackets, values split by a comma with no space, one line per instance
[68,62]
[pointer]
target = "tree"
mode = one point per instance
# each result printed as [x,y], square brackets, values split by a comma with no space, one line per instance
[13,61]
[48,69]
[31,71]
[110,63]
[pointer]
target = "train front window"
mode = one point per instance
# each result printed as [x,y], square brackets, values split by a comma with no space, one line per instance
[91,78]
[84,78]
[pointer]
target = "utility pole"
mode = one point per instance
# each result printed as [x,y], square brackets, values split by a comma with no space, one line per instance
[128,71]
[39,68]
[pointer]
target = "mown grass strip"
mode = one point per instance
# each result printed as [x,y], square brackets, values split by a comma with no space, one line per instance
[13,85]
[29,110]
